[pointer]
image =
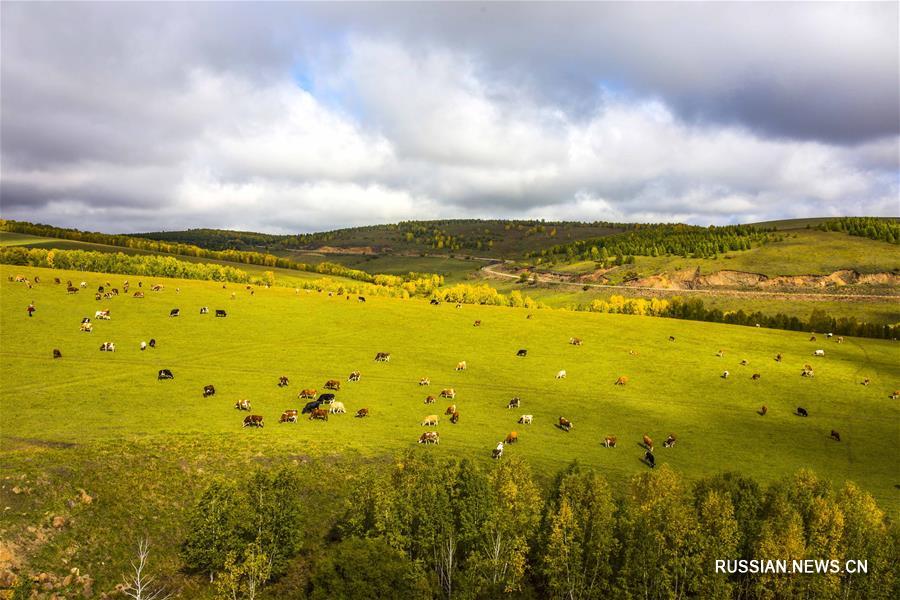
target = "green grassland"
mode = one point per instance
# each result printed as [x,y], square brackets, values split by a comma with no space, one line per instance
[454,270]
[90,397]
[802,252]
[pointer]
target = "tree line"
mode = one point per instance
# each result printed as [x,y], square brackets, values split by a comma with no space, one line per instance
[874,228]
[181,249]
[448,528]
[659,240]
[693,309]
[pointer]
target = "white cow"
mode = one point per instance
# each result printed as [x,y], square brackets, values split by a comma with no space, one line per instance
[725,375]
[498,451]
[338,408]
[819,353]
[526,419]
[143,345]
[561,374]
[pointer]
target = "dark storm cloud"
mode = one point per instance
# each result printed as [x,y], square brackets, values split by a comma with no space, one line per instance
[313,116]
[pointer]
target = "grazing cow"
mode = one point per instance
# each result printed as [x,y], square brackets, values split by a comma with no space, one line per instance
[458,305]
[529,316]
[819,353]
[318,414]
[283,381]
[156,288]
[865,381]
[98,296]
[430,420]
[152,343]
[764,410]
[561,374]
[840,339]
[165,374]
[84,284]
[115,291]
[289,416]
[253,421]
[424,381]
[86,320]
[354,376]
[648,443]
[209,390]
[565,424]
[435,301]
[461,366]
[308,393]
[778,357]
[720,353]
[512,438]
[87,327]
[333,384]
[497,453]
[311,406]
[802,412]
[450,409]
[139,294]
[57,353]
[522,352]
[71,290]
[56,280]
[108,347]
[454,418]
[755,376]
[807,372]
[525,419]
[383,357]
[221,313]
[326,398]
[429,400]
[477,323]
[102,315]
[745,362]
[363,412]
[360,299]
[650,459]
[430,437]
[576,341]
[895,395]
[448,393]
[610,441]
[204,310]
[812,338]
[337,408]
[622,380]
[671,338]
[828,335]
[101,289]
[835,435]
[725,374]
[514,403]
[242,405]
[670,441]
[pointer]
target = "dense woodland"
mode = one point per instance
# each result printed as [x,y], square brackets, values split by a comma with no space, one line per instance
[885,230]
[427,528]
[660,240]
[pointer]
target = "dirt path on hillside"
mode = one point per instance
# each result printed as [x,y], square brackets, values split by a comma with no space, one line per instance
[490,271]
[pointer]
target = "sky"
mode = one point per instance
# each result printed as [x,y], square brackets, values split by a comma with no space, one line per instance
[299,117]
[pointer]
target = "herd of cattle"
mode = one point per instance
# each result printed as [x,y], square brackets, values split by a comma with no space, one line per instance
[320,406]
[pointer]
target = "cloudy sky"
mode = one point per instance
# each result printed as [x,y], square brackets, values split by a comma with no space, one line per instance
[284,117]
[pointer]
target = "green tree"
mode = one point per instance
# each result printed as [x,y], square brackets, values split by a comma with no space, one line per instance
[213,529]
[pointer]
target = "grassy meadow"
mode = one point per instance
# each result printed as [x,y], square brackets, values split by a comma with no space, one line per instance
[90,396]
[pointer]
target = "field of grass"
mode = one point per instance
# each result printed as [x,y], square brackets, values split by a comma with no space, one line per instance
[104,398]
[454,270]
[802,252]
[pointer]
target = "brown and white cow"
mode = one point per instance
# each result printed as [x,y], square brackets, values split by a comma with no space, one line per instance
[764,410]
[454,418]
[648,443]
[333,384]
[319,413]
[565,424]
[835,435]
[429,399]
[561,374]
[354,376]
[512,438]
[363,412]
[450,409]
[289,416]
[477,323]
[755,376]
[383,357]
[610,441]
[461,366]
[448,393]
[242,405]
[283,381]
[57,353]
[209,390]
[622,380]
[430,437]
[308,393]
[253,421]
[576,341]
[670,441]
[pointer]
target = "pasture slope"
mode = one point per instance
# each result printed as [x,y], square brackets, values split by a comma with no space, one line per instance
[93,397]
